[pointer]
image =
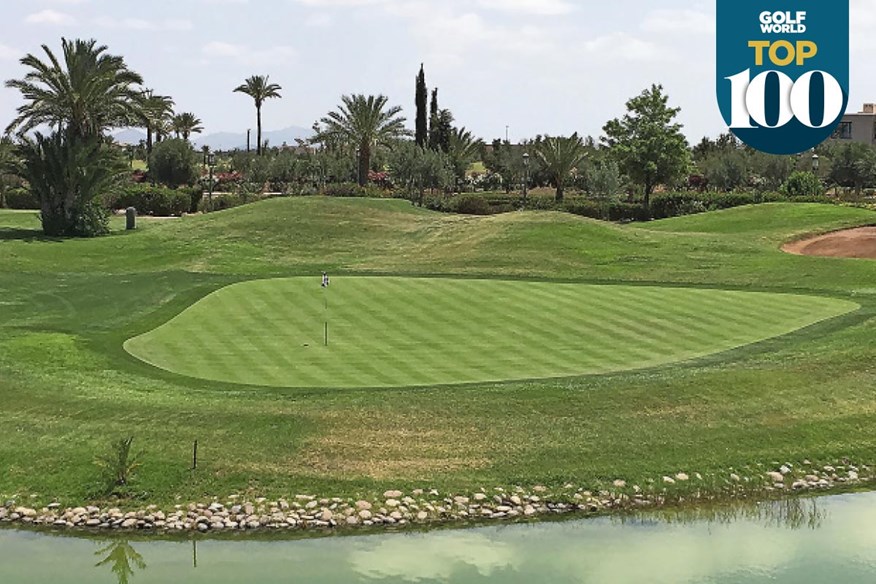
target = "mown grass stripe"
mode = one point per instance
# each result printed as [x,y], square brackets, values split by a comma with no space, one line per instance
[389,332]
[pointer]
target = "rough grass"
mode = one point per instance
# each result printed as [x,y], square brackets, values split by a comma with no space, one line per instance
[69,389]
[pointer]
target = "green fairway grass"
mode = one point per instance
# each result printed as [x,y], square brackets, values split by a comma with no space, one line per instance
[396,332]
[69,389]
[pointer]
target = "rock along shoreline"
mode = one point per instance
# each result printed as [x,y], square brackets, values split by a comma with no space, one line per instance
[430,507]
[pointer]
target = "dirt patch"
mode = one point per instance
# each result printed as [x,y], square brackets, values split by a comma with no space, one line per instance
[853,243]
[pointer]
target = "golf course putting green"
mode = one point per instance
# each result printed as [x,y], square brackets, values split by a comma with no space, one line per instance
[397,332]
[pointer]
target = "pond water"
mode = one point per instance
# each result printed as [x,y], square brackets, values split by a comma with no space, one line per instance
[831,539]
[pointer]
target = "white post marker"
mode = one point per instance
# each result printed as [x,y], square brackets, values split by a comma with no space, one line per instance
[325,285]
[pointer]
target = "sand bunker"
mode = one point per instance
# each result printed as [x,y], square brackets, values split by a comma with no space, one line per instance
[852,243]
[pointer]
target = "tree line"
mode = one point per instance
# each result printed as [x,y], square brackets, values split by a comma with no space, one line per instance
[72,100]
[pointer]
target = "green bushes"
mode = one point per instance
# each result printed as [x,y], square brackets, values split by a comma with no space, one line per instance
[803,184]
[610,211]
[154,200]
[21,198]
[173,163]
[92,220]
[666,205]
[663,205]
[730,200]
[352,189]
[471,205]
[225,201]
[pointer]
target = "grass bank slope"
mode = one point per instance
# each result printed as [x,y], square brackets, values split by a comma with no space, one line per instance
[69,389]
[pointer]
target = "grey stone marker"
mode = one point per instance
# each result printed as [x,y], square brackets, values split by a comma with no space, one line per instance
[130,218]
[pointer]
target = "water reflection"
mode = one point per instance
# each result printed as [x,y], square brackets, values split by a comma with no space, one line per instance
[799,541]
[122,559]
[793,513]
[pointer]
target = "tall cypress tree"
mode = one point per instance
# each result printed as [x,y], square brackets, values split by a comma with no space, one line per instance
[422,134]
[433,120]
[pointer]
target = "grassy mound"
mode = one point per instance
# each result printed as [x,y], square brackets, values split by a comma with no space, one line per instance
[396,332]
[69,389]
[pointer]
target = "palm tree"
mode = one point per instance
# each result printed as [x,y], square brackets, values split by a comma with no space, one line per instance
[122,559]
[186,124]
[9,167]
[365,123]
[259,89]
[559,157]
[87,93]
[67,173]
[464,149]
[154,111]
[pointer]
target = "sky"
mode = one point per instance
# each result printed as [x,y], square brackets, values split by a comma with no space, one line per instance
[537,66]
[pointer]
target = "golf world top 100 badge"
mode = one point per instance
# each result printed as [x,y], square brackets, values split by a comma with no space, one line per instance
[783,71]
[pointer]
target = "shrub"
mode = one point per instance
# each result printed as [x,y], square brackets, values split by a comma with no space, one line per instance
[173,163]
[21,198]
[92,220]
[153,200]
[607,211]
[666,205]
[586,208]
[803,184]
[195,194]
[350,189]
[471,205]
[626,212]
[66,175]
[224,202]
[226,180]
[730,200]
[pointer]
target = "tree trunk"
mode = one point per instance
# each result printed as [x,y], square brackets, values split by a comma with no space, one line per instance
[560,191]
[259,129]
[364,162]
[148,141]
[649,188]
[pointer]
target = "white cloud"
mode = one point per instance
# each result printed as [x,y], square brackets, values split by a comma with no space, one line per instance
[246,55]
[9,54]
[536,7]
[141,24]
[679,21]
[627,47]
[343,3]
[49,16]
[318,20]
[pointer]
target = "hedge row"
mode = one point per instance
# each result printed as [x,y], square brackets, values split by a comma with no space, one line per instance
[22,199]
[155,200]
[663,205]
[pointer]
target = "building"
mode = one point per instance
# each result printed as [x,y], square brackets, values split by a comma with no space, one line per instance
[859,127]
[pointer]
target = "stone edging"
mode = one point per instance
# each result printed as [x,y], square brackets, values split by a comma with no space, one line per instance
[420,507]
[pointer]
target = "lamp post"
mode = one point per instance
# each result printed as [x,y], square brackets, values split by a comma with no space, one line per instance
[211,163]
[525,175]
[359,166]
[816,163]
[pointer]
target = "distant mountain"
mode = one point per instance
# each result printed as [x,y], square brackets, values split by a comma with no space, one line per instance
[227,140]
[129,136]
[232,141]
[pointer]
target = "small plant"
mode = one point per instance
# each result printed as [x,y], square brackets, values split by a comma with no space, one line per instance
[119,465]
[803,184]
